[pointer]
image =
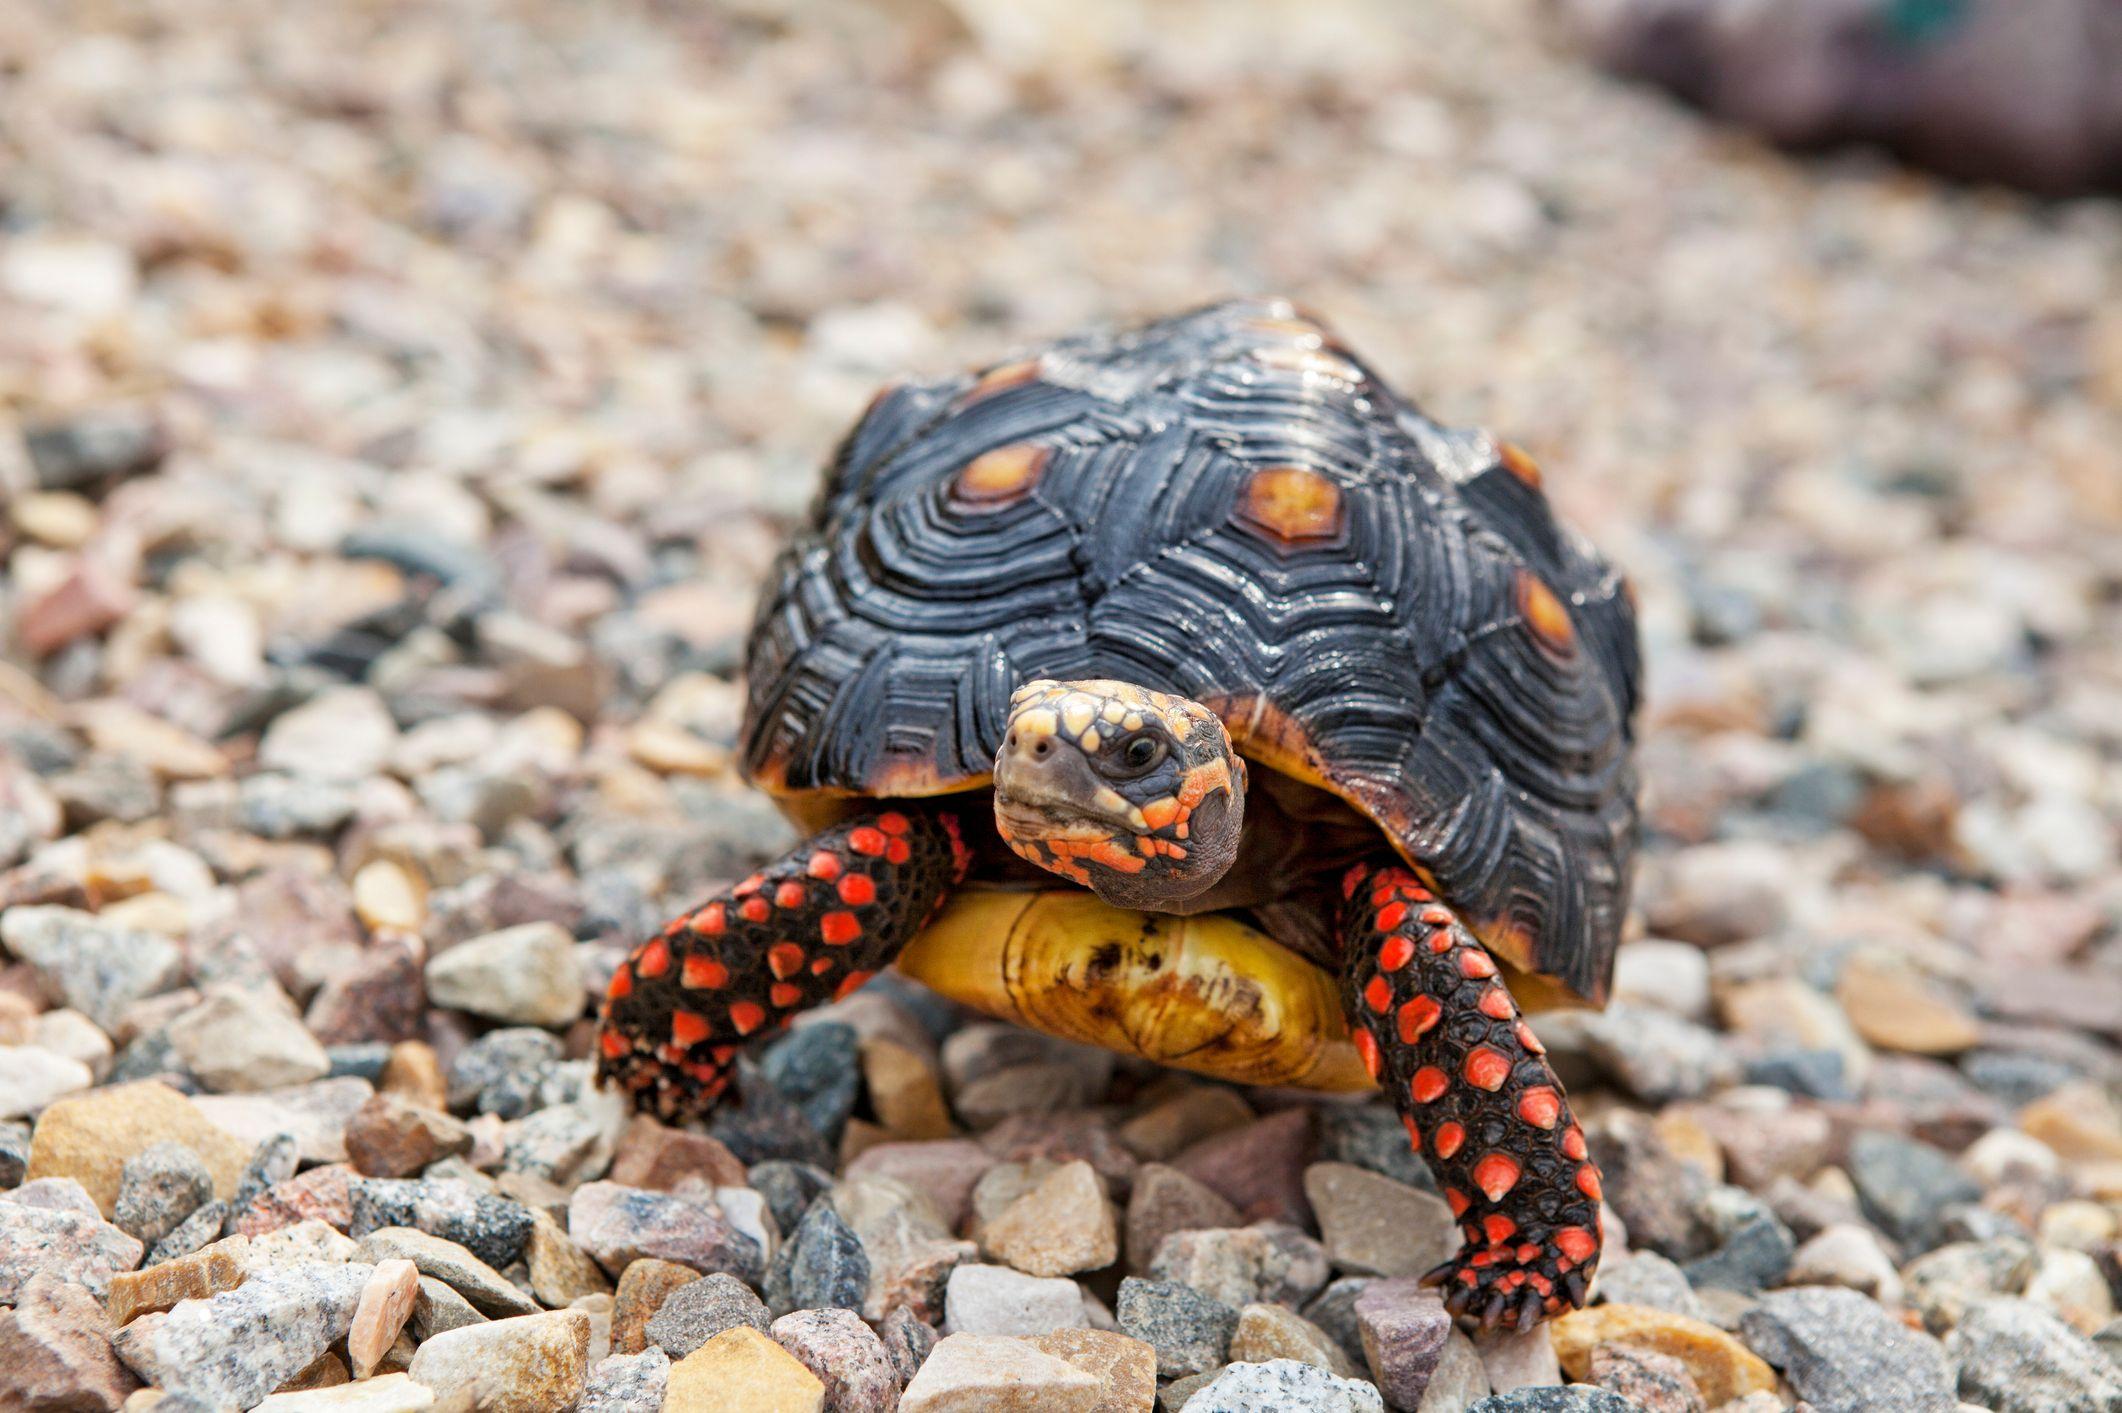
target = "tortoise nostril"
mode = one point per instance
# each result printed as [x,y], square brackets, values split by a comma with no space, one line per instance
[1039,751]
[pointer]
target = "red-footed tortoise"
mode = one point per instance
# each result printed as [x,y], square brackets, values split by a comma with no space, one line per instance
[1313,696]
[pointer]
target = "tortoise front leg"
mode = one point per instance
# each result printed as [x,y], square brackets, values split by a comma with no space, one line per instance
[1439,1031]
[808,928]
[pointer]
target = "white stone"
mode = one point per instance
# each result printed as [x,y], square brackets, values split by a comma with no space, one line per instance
[970,1373]
[238,1040]
[1847,1255]
[1285,1386]
[345,733]
[32,1076]
[995,1300]
[525,975]
[1672,976]
[392,1393]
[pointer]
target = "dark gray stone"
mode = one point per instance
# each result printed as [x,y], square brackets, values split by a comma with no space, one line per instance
[1190,1332]
[789,1188]
[1576,1398]
[510,1053]
[203,1226]
[159,1187]
[1371,1136]
[273,1162]
[821,1266]
[819,1068]
[693,1314]
[492,1228]
[1905,1186]
[95,447]
[768,1124]
[1752,1258]
[1844,1354]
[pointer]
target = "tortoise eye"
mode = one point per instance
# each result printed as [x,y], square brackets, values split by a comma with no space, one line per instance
[1138,753]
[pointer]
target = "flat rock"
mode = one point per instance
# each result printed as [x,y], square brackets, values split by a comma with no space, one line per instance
[492,1228]
[94,967]
[643,1287]
[240,1345]
[300,1243]
[1657,1383]
[695,1313]
[1941,1285]
[1259,1169]
[525,975]
[627,1383]
[1164,1201]
[845,1354]
[388,1393]
[32,1077]
[89,1137]
[742,1368]
[945,1169]
[238,1041]
[207,1271]
[1283,1386]
[1905,1185]
[1190,1332]
[1374,1226]
[995,1300]
[619,1225]
[486,1288]
[1176,1124]
[1063,1225]
[1269,1332]
[321,1194]
[1721,1367]
[1844,1354]
[55,1351]
[985,1373]
[1125,1367]
[2016,1357]
[529,1364]
[72,1243]
[437,1308]
[1896,1008]
[390,1136]
[1578,1398]
[652,1156]
[1270,1261]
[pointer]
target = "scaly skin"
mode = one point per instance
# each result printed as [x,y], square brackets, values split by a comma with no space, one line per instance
[1437,1028]
[806,929]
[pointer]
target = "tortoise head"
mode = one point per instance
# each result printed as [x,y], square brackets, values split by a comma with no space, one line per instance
[1136,795]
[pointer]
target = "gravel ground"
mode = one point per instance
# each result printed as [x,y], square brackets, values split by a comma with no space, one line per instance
[397,406]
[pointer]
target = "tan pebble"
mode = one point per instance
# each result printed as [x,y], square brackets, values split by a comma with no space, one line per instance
[207,1271]
[1723,1368]
[1895,1008]
[905,1092]
[1062,1226]
[742,1368]
[387,894]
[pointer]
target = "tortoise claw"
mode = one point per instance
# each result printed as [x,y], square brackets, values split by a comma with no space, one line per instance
[1440,1273]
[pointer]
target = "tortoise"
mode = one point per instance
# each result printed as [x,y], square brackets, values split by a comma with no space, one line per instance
[1187,691]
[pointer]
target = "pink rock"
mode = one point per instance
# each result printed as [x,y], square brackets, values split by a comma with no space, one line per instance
[1259,1168]
[385,1305]
[1404,1327]
[321,1193]
[55,1350]
[947,1170]
[88,600]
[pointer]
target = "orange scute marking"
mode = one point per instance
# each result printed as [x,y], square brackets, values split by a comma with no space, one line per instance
[654,959]
[821,966]
[1417,1016]
[1540,1106]
[622,985]
[1378,995]
[1000,476]
[1495,1004]
[1159,813]
[1474,964]
[755,909]
[613,1044]
[1457,1201]
[1414,1131]
[1496,1175]
[747,1016]
[1292,503]
[893,822]
[1367,1051]
[1544,614]
[1529,1040]
[867,840]
[1486,1068]
[898,851]
[784,959]
[1519,464]
[1573,1144]
[789,895]
[839,929]
[710,921]
[856,890]
[824,865]
[1588,1182]
[851,983]
[1576,1243]
[1450,1138]
[784,995]
[1391,916]
[703,972]
[1429,1083]
[688,1028]
[1498,1228]
[1396,953]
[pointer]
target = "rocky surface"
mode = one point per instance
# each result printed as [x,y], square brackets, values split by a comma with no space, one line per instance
[397,412]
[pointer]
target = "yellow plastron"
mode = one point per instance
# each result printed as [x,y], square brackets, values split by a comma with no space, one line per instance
[1204,993]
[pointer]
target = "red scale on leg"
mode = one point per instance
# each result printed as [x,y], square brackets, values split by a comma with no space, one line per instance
[742,964]
[1454,1053]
